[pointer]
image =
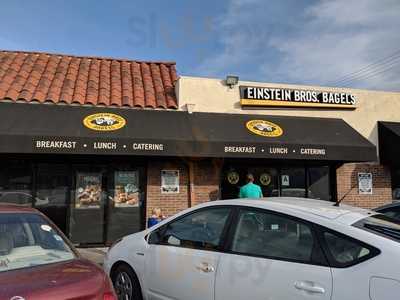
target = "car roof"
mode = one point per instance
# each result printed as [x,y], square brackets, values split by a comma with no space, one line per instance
[320,208]
[16,208]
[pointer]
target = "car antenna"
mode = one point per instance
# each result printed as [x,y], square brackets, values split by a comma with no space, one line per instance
[337,203]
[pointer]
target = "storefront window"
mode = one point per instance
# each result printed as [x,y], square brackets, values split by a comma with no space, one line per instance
[318,183]
[16,183]
[296,181]
[293,183]
[52,185]
[53,182]
[396,183]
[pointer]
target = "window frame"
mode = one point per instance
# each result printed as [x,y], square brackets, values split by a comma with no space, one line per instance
[218,248]
[321,230]
[318,257]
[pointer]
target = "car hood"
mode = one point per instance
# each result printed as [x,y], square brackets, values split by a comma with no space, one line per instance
[77,278]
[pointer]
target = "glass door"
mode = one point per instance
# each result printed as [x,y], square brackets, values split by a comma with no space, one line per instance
[267,179]
[234,177]
[125,203]
[87,207]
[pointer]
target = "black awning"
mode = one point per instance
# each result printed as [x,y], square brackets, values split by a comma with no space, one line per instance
[389,141]
[29,128]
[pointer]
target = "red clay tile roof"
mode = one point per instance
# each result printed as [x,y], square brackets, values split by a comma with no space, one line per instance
[31,76]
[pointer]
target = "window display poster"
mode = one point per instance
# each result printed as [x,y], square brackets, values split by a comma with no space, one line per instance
[365,183]
[126,188]
[169,181]
[88,190]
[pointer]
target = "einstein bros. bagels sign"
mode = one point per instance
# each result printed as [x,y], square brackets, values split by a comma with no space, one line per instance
[278,97]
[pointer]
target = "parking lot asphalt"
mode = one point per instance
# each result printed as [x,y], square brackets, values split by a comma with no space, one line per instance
[96,255]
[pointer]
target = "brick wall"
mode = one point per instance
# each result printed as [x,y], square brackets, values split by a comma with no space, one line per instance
[169,203]
[207,175]
[205,187]
[347,182]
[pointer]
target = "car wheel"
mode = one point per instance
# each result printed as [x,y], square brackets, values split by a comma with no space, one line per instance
[126,283]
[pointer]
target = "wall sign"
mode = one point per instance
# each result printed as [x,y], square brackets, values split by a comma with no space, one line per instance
[285,181]
[365,183]
[169,181]
[279,97]
[104,122]
[264,128]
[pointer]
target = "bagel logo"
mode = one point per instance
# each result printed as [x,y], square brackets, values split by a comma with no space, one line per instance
[104,122]
[264,128]
[265,179]
[233,177]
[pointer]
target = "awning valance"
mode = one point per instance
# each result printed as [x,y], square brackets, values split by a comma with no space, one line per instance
[29,128]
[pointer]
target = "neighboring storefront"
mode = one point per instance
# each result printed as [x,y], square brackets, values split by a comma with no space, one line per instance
[389,142]
[366,182]
[97,143]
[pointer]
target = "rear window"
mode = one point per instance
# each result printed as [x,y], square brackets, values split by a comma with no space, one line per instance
[381,225]
[344,251]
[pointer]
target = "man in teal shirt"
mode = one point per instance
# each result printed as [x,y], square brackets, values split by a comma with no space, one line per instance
[250,190]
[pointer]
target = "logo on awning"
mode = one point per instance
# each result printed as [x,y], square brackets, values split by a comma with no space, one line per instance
[264,128]
[104,122]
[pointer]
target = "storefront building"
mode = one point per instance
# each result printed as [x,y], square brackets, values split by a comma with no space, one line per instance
[97,143]
[68,142]
[361,181]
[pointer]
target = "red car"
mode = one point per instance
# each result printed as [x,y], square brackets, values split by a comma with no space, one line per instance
[38,262]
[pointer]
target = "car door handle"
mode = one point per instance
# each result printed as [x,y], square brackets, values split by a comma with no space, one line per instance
[309,286]
[205,267]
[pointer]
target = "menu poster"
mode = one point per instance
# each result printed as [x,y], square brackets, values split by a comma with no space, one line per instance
[170,182]
[88,190]
[365,183]
[126,188]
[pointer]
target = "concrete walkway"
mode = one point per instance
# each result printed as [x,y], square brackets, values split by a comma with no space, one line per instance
[96,255]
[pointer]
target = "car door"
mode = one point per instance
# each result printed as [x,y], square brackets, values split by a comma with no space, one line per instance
[353,270]
[272,256]
[183,256]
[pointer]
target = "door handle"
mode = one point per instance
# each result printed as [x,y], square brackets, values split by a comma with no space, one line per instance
[309,286]
[205,267]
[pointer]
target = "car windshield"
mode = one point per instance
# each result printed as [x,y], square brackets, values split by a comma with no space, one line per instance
[28,240]
[381,225]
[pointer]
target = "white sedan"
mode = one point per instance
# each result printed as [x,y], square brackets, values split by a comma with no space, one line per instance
[268,249]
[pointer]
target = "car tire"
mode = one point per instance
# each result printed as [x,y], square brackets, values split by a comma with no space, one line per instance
[126,283]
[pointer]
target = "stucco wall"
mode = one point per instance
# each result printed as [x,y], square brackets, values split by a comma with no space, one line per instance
[211,95]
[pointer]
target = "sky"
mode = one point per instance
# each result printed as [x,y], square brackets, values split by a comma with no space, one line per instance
[344,43]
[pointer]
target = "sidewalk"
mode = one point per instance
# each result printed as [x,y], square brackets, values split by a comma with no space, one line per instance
[94,254]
